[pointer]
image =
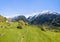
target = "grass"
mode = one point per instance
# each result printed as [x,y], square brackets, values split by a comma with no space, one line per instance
[27,34]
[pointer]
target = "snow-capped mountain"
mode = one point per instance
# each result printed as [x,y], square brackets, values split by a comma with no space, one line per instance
[41,13]
[46,17]
[42,17]
[47,12]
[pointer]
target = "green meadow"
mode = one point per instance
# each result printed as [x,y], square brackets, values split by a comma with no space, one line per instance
[27,34]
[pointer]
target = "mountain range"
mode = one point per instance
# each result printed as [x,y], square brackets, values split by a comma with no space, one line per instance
[44,17]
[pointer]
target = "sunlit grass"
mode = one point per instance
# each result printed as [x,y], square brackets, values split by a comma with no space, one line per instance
[27,34]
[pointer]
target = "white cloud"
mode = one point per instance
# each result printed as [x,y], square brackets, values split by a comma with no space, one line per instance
[45,11]
[11,16]
[32,14]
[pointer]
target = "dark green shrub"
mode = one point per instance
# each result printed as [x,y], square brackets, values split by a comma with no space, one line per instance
[26,23]
[43,29]
[19,27]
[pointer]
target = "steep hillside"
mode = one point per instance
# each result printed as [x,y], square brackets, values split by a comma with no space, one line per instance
[2,19]
[52,18]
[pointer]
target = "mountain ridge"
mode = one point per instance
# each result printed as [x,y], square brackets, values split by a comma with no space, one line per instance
[46,17]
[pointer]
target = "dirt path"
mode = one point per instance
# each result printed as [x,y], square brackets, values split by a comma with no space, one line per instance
[23,35]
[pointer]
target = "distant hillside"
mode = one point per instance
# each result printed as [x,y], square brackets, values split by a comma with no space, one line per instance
[52,18]
[46,18]
[21,17]
[2,19]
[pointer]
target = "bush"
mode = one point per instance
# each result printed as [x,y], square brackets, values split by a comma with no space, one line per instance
[19,27]
[21,22]
[43,29]
[26,23]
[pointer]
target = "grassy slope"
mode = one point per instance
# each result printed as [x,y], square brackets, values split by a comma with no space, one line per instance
[27,34]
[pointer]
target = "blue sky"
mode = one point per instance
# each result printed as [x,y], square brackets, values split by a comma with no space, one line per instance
[10,8]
